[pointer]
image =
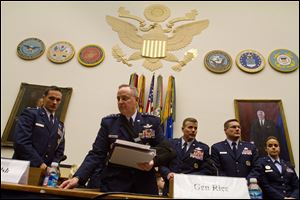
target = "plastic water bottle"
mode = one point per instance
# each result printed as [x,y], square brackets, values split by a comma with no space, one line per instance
[45,182]
[53,175]
[254,190]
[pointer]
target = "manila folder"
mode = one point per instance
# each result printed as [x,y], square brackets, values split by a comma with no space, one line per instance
[130,153]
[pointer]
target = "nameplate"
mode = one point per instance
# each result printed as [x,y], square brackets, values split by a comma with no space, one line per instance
[209,187]
[14,171]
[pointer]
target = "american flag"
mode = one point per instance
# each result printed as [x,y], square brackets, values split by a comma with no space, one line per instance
[149,107]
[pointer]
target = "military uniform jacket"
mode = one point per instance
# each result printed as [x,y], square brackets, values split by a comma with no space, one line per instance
[244,165]
[146,130]
[190,162]
[35,140]
[276,185]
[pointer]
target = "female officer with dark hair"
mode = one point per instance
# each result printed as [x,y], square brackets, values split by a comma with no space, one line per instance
[278,178]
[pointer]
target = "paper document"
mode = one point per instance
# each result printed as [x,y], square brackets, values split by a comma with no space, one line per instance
[130,153]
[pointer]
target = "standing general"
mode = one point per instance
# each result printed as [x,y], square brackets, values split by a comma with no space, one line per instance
[129,125]
[39,135]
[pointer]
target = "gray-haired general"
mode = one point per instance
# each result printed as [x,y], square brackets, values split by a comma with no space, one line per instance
[129,125]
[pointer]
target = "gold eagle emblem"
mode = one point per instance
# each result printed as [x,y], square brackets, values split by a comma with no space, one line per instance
[157,42]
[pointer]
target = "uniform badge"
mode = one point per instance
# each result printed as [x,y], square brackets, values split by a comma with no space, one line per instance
[283,60]
[112,136]
[248,163]
[197,154]
[147,133]
[246,151]
[148,126]
[250,61]
[289,170]
[217,61]
[267,167]
[40,125]
[196,165]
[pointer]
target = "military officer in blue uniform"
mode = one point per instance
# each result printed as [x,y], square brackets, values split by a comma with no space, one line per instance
[233,157]
[191,156]
[39,135]
[129,125]
[278,178]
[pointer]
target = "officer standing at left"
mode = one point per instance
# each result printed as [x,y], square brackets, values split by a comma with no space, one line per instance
[129,125]
[39,135]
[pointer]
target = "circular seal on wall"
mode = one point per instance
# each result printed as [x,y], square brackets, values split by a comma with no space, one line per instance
[157,13]
[60,52]
[30,48]
[91,55]
[250,61]
[217,61]
[283,60]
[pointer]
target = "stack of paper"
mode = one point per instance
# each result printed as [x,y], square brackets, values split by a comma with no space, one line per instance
[129,153]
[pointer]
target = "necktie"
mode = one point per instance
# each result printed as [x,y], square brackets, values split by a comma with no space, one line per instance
[51,119]
[234,148]
[131,121]
[184,148]
[278,165]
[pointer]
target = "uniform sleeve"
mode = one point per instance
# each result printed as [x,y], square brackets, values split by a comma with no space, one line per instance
[22,139]
[255,172]
[215,156]
[96,157]
[164,153]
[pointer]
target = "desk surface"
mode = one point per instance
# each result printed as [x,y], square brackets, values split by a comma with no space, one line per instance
[79,193]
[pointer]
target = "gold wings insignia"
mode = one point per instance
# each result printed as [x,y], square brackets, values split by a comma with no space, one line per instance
[126,31]
[183,35]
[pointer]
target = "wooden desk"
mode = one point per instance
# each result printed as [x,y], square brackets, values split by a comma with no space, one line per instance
[40,191]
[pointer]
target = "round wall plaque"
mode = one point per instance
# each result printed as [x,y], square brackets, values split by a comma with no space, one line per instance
[91,55]
[250,61]
[60,52]
[30,48]
[283,60]
[217,61]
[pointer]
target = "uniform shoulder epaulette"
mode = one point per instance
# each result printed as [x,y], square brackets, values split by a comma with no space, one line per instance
[112,116]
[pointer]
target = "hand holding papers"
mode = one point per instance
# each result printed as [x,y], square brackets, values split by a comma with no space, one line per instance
[129,153]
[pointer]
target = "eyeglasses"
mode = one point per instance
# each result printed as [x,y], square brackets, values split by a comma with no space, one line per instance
[275,145]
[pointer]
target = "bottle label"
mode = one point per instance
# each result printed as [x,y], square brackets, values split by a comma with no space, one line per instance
[53,178]
[255,194]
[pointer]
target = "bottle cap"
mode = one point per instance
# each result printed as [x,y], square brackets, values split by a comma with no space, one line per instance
[54,164]
[253,180]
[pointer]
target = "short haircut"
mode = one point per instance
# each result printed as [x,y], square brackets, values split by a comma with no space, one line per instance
[271,137]
[189,119]
[132,88]
[226,124]
[53,87]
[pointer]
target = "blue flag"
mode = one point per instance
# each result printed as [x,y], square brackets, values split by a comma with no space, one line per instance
[169,128]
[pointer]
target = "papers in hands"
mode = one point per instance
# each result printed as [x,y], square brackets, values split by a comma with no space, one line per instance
[128,153]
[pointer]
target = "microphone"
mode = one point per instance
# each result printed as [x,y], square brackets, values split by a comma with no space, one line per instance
[63,158]
[212,163]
